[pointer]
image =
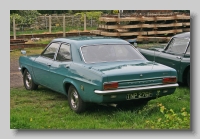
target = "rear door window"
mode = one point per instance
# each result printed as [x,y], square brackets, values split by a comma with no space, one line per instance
[64,53]
[51,50]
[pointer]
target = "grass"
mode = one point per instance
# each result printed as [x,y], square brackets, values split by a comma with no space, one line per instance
[29,51]
[46,109]
[54,30]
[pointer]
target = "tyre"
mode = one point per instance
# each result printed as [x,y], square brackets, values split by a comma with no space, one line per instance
[75,101]
[28,81]
[188,78]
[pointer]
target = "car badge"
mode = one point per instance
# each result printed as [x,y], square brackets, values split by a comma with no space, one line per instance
[141,75]
[82,87]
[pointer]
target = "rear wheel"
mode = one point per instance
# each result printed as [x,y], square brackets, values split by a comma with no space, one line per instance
[188,78]
[75,101]
[28,81]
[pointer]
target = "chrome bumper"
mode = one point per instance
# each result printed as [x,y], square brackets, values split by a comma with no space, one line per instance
[107,92]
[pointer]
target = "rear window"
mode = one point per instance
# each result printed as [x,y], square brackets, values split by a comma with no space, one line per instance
[178,45]
[110,53]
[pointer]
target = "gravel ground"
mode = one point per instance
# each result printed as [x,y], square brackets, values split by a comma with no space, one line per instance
[15,75]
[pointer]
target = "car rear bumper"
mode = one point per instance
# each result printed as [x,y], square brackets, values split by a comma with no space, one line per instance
[145,88]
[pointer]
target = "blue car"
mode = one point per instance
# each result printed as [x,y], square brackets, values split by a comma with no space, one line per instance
[96,70]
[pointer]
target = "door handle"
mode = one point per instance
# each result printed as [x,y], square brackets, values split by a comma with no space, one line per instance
[48,64]
[178,57]
[67,66]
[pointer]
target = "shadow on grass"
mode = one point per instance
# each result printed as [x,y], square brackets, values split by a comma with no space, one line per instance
[92,108]
[131,106]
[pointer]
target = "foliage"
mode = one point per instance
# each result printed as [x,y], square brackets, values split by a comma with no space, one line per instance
[115,11]
[170,119]
[24,17]
[17,17]
[90,15]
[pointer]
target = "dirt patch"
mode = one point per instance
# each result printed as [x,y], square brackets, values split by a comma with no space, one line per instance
[15,75]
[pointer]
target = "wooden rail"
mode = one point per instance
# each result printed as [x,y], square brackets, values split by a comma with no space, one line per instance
[143,28]
[143,18]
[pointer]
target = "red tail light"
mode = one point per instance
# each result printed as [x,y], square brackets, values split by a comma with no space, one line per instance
[110,86]
[170,80]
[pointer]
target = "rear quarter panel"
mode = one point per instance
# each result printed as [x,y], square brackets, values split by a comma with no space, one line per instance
[85,81]
[27,62]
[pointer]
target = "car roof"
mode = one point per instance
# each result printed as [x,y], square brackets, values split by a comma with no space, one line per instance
[91,40]
[183,35]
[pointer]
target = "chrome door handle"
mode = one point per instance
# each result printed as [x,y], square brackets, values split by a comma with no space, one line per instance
[67,66]
[178,57]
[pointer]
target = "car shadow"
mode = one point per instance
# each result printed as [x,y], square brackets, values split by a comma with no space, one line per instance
[132,106]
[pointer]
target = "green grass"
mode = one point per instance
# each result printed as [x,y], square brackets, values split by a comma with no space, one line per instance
[29,51]
[53,30]
[46,109]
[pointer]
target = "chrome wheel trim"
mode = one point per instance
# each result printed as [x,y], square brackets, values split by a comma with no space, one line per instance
[74,99]
[28,80]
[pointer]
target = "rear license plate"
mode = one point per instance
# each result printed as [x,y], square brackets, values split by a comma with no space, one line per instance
[138,95]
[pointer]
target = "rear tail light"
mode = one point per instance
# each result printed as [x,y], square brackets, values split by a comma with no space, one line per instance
[169,80]
[110,86]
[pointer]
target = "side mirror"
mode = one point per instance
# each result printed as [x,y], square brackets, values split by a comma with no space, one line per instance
[135,44]
[23,52]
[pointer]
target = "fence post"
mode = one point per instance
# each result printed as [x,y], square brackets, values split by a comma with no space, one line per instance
[49,23]
[119,18]
[64,32]
[84,22]
[14,29]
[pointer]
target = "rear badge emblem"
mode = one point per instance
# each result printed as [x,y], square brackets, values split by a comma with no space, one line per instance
[141,75]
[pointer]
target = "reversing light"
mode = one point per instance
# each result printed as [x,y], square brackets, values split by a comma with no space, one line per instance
[110,86]
[169,80]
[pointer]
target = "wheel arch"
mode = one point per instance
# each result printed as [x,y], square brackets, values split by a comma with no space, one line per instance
[23,69]
[184,76]
[67,83]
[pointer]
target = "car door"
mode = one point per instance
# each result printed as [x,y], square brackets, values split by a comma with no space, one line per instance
[43,62]
[60,68]
[173,53]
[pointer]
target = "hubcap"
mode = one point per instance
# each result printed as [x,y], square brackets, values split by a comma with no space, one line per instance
[28,80]
[74,99]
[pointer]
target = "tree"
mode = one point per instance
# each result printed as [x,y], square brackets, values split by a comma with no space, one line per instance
[24,17]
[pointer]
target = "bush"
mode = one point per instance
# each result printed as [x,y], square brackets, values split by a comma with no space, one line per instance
[90,15]
[170,119]
[24,17]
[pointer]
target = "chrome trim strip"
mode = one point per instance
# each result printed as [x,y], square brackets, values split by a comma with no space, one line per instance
[108,92]
[120,81]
